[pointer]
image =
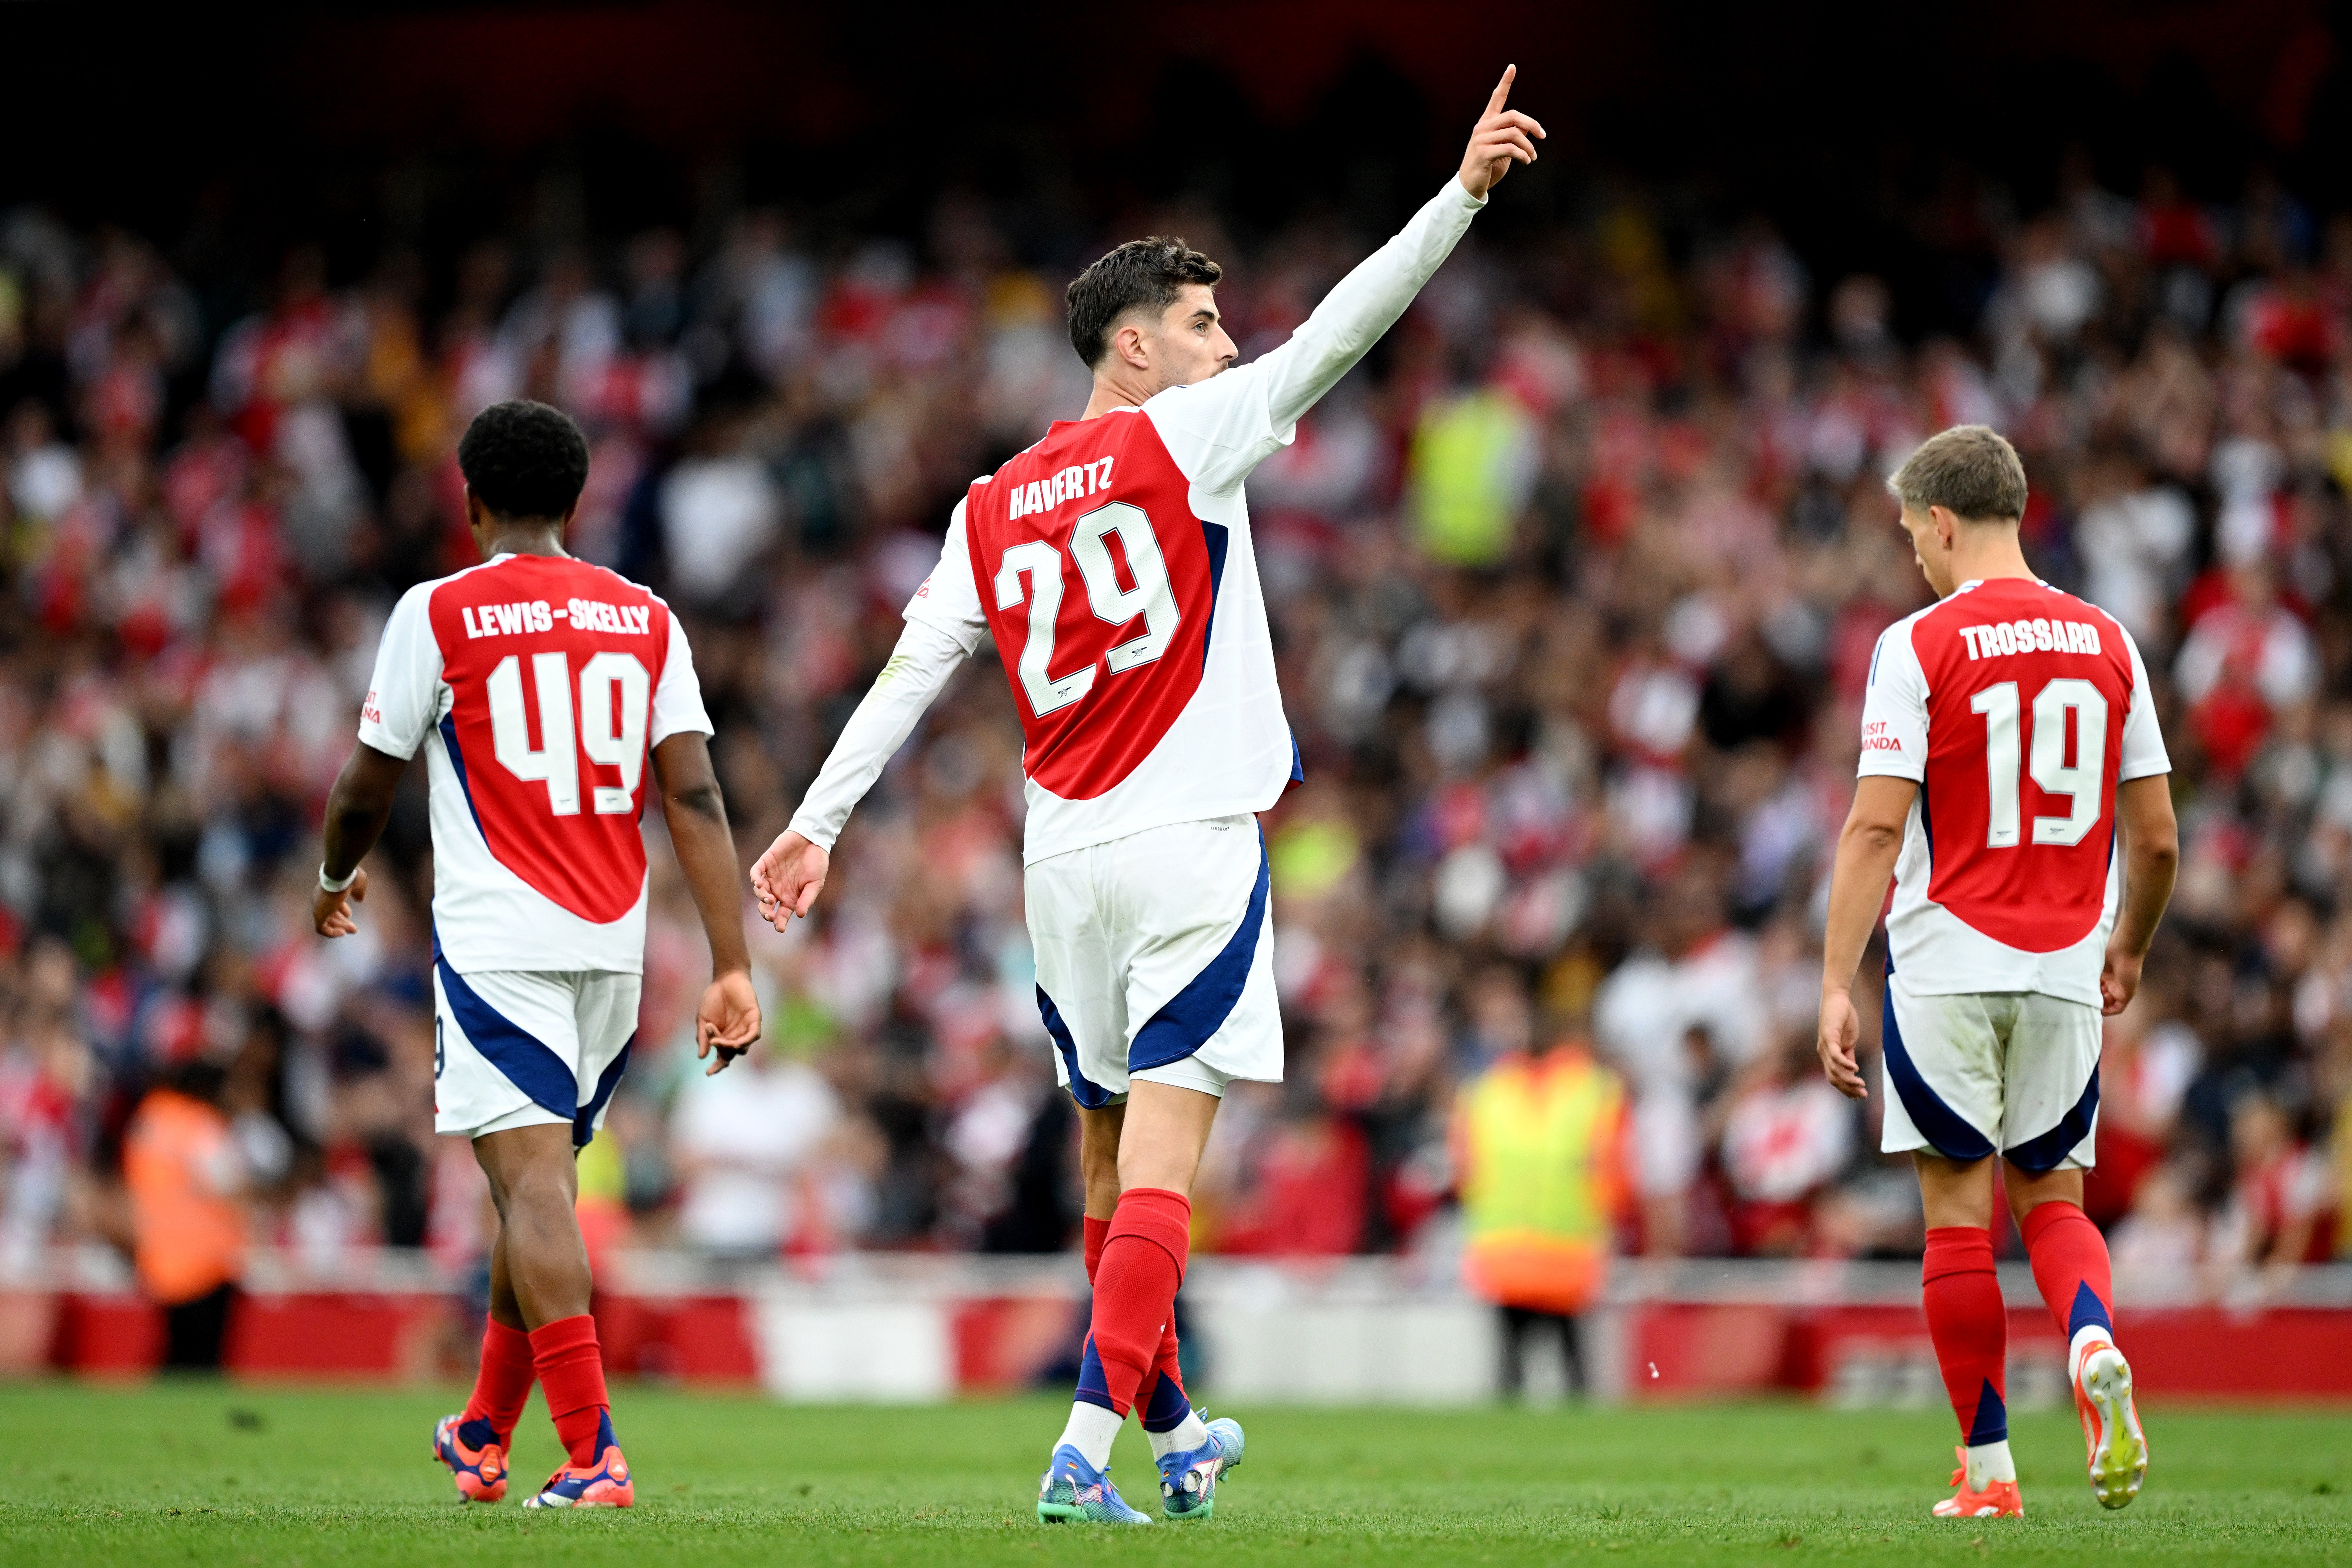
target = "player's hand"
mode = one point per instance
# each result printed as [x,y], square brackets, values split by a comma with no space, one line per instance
[1502,137]
[2118,980]
[788,878]
[726,1022]
[331,913]
[1840,1029]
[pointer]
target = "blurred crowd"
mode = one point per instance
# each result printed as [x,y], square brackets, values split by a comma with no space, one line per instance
[1574,586]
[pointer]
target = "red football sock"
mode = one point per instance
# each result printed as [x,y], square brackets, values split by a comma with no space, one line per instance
[1097,1231]
[1969,1327]
[573,1374]
[504,1382]
[2069,1265]
[1135,1287]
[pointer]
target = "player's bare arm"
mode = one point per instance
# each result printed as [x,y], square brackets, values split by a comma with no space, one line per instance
[728,1020]
[2152,858]
[1866,850]
[357,808]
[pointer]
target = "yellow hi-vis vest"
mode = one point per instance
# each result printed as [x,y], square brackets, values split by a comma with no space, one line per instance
[1540,1180]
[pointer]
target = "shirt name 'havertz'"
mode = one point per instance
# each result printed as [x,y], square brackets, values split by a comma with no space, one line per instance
[1046,494]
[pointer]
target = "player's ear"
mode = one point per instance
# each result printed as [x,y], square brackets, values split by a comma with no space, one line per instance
[1128,345]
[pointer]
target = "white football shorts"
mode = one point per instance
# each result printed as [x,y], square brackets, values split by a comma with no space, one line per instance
[1155,960]
[525,1048]
[2012,1072]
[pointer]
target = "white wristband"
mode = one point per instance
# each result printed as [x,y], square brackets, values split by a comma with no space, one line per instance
[328,886]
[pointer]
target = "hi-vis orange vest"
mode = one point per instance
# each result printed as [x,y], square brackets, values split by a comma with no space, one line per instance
[188,1239]
[1542,1177]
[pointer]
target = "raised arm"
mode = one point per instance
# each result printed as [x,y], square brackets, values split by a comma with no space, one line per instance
[1245,413]
[1366,302]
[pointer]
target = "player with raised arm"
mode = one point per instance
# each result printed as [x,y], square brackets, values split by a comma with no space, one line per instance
[538,686]
[2009,750]
[1112,564]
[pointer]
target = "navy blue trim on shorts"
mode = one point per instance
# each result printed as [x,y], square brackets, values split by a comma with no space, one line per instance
[584,1123]
[1089,1096]
[1186,1021]
[2041,1154]
[528,1062]
[1946,1129]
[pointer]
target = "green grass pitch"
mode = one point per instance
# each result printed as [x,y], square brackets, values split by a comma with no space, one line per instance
[220,1473]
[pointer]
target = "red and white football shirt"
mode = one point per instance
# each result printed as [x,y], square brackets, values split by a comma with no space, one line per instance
[1112,564]
[2017,710]
[538,685]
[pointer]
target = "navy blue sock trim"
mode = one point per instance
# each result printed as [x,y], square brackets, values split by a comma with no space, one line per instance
[1168,1406]
[1094,1388]
[1991,1424]
[2087,1310]
[478,1432]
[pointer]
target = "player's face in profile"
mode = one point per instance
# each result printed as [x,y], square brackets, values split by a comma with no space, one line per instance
[1928,549]
[1193,338]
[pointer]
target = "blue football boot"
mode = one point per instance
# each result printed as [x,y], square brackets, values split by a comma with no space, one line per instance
[1072,1490]
[1188,1480]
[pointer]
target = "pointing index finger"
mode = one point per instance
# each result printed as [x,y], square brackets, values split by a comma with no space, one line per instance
[1502,90]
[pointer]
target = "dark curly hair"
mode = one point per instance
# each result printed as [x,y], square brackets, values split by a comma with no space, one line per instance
[524,459]
[1151,271]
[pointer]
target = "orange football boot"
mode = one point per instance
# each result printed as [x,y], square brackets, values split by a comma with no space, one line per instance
[2111,1430]
[480,1471]
[604,1484]
[1999,1499]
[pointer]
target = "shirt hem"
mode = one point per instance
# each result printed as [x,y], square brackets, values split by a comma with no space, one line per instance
[498,964]
[1989,986]
[1032,853]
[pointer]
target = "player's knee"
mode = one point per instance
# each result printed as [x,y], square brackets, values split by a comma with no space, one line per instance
[538,1191]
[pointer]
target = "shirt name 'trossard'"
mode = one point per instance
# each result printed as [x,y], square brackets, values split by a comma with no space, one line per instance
[2035,636]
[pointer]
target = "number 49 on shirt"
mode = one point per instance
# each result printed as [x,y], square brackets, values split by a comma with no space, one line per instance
[2070,720]
[613,734]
